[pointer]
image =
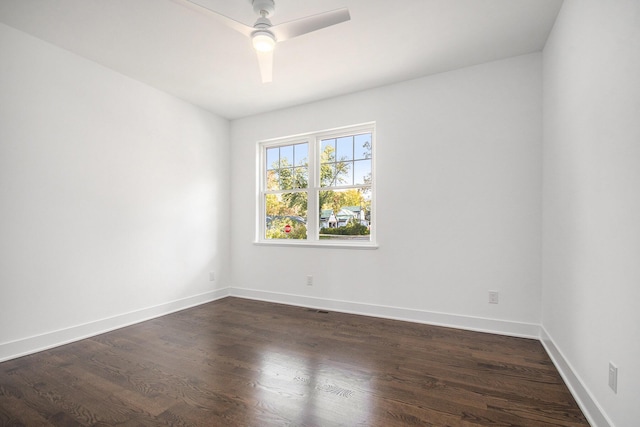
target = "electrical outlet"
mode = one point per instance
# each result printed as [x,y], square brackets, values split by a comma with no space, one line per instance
[493,297]
[309,280]
[613,377]
[212,276]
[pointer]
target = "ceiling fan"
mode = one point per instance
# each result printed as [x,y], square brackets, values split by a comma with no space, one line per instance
[265,35]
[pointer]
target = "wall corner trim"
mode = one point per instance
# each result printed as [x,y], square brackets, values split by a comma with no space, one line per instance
[594,413]
[34,344]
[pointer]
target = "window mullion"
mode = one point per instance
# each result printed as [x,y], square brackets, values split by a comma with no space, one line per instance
[312,195]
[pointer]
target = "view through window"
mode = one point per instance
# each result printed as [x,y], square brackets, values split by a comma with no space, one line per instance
[328,173]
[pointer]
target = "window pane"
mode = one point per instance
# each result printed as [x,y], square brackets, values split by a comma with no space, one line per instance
[286,215]
[363,146]
[327,174]
[301,154]
[273,158]
[302,177]
[345,214]
[344,173]
[344,148]
[328,151]
[286,156]
[337,174]
[273,180]
[362,172]
[287,179]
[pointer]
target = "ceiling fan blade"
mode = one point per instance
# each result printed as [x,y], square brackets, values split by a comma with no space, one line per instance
[232,23]
[265,60]
[288,30]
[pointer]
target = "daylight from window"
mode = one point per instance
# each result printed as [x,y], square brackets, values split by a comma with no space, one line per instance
[331,176]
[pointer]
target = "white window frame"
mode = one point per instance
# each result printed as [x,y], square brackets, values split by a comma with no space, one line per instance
[314,142]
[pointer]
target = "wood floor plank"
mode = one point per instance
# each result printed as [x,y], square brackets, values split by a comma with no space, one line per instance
[237,362]
[15,412]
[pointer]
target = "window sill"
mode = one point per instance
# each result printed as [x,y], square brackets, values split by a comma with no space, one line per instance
[306,244]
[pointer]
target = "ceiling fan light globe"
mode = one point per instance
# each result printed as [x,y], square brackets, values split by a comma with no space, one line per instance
[263,41]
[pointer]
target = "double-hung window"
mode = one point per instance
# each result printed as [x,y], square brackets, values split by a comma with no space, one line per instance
[318,188]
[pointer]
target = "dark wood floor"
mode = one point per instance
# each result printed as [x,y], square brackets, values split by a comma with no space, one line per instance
[238,362]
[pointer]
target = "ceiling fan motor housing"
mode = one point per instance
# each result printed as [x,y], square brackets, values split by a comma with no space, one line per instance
[263,33]
[264,8]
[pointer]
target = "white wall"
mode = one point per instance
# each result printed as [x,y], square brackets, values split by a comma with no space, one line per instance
[113,197]
[459,199]
[591,270]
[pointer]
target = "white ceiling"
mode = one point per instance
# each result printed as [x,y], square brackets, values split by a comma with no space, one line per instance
[198,59]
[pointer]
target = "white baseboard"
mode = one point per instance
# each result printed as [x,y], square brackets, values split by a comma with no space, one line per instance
[590,408]
[502,327]
[25,346]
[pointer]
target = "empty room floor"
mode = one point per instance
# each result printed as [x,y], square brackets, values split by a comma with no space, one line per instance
[238,362]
